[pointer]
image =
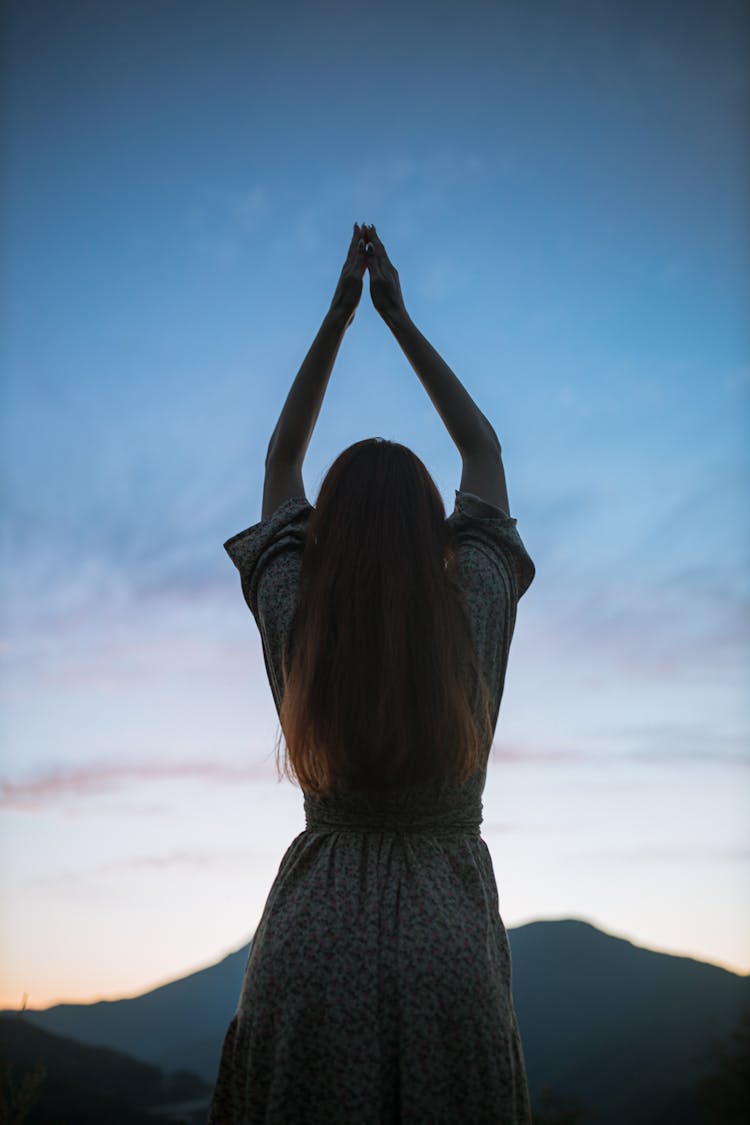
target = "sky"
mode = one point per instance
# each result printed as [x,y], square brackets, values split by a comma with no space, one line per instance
[563,189]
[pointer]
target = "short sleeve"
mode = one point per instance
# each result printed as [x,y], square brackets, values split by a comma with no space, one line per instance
[493,531]
[493,571]
[268,556]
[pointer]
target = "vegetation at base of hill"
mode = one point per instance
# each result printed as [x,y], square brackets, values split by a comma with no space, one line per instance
[17,1096]
[720,1097]
[63,1082]
[554,1109]
[725,1092]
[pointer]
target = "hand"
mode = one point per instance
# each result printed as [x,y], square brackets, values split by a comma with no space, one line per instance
[385,288]
[349,289]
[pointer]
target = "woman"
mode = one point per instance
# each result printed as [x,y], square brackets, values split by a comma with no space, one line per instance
[378,986]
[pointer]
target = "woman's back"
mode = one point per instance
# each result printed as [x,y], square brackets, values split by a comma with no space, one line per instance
[378,986]
[382,687]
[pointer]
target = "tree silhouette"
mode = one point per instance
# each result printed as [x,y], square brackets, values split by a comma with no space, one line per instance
[17,1098]
[554,1109]
[725,1092]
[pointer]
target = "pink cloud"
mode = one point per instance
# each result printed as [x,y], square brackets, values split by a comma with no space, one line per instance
[48,788]
[528,755]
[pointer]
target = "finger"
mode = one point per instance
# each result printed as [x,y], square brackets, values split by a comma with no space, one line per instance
[370,250]
[375,239]
[356,236]
[374,249]
[357,245]
[356,262]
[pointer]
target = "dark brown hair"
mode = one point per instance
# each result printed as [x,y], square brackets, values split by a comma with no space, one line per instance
[380,673]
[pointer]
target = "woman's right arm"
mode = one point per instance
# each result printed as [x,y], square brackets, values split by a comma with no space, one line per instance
[481,455]
[474,436]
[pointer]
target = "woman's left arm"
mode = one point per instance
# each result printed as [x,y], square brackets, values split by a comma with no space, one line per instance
[291,437]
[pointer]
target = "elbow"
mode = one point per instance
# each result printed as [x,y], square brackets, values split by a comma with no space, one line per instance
[496,442]
[276,455]
[486,443]
[273,453]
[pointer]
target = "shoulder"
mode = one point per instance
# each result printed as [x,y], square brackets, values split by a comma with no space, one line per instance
[488,545]
[270,551]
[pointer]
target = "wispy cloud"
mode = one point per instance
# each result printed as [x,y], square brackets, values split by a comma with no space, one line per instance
[675,624]
[443,278]
[223,223]
[646,745]
[184,859]
[251,207]
[82,882]
[46,789]
[686,852]
[666,742]
[526,754]
[736,383]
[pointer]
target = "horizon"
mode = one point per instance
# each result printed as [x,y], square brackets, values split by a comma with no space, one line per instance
[563,194]
[238,949]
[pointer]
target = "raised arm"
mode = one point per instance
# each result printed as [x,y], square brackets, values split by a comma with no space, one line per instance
[291,437]
[481,455]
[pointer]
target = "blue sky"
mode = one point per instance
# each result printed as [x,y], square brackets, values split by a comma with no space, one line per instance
[563,190]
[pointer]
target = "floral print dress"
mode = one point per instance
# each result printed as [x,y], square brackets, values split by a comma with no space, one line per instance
[378,986]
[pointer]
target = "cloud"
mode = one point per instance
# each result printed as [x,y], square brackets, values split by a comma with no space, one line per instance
[503,755]
[113,543]
[736,382]
[222,223]
[687,620]
[442,279]
[250,209]
[687,852]
[168,639]
[647,745]
[45,789]
[191,860]
[665,743]
[81,883]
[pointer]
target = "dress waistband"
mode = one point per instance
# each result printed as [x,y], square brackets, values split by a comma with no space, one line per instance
[327,815]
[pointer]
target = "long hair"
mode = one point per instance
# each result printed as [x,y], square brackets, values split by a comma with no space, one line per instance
[380,673]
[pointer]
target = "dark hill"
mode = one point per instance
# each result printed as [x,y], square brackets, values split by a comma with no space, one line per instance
[177,1025]
[82,1085]
[623,1031]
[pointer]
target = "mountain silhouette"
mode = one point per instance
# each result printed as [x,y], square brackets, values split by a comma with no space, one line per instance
[83,1085]
[622,1031]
